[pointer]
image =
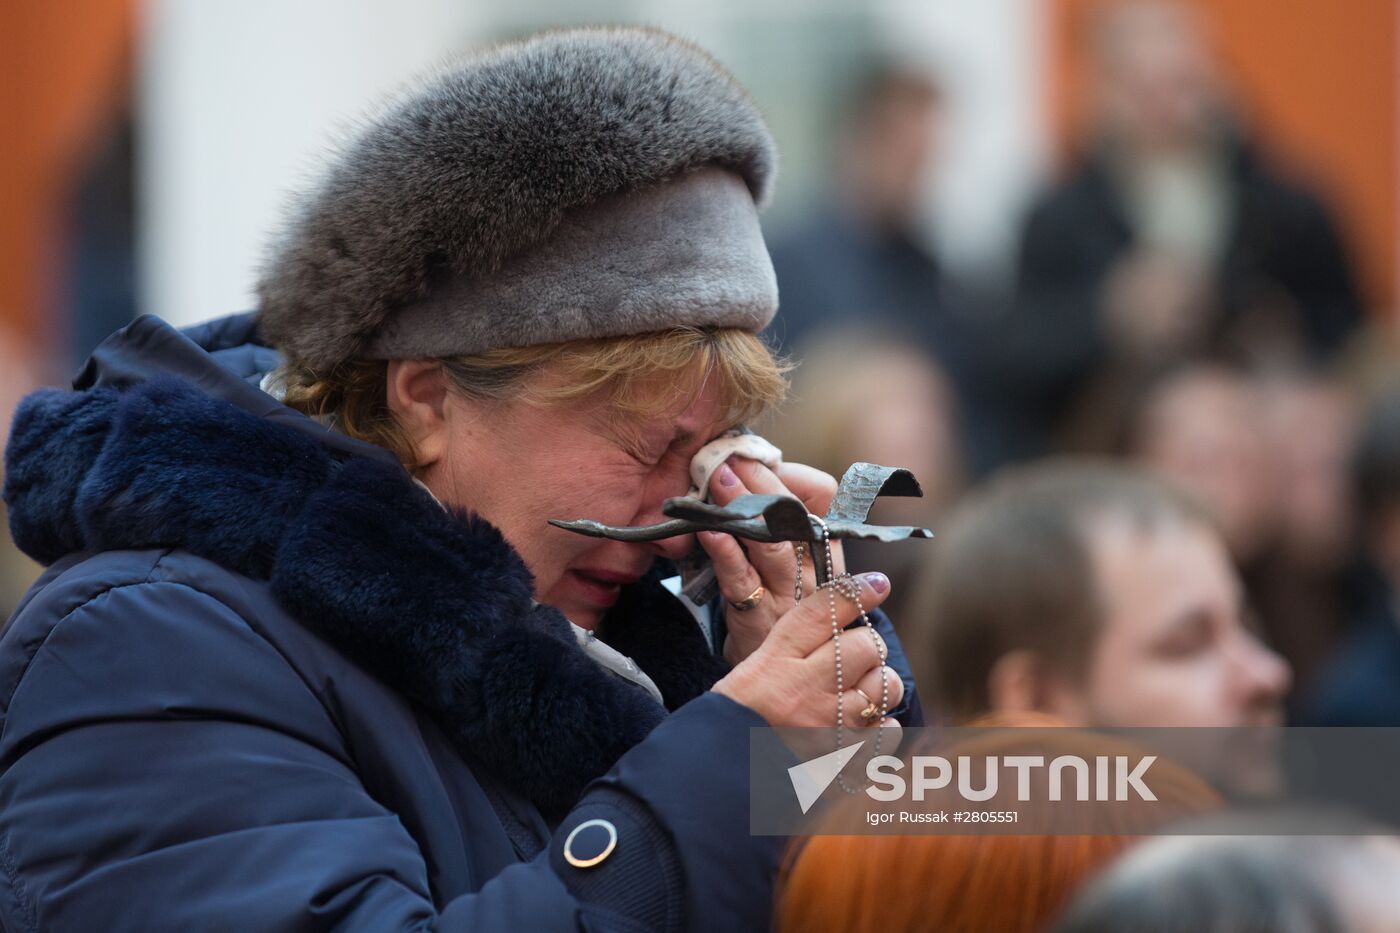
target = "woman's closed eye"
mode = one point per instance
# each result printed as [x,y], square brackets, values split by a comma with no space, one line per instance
[645,446]
[644,455]
[652,449]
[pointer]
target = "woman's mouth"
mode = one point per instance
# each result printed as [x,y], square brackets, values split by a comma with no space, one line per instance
[600,588]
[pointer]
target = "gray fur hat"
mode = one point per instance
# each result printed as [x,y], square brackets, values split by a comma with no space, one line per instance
[579,183]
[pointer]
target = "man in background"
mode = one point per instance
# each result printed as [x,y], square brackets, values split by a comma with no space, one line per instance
[859,258]
[859,262]
[1173,235]
[1096,594]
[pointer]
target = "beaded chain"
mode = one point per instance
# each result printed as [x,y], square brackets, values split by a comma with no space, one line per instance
[847,586]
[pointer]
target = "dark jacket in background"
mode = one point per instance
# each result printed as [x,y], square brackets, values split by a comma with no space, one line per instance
[1359,685]
[267,683]
[836,272]
[1049,346]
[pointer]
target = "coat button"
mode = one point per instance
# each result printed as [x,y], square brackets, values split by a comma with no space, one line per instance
[589,843]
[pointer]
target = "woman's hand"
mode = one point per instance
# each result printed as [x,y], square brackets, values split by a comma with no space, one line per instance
[740,569]
[790,679]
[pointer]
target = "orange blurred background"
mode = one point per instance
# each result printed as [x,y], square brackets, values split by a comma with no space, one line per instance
[64,72]
[1319,82]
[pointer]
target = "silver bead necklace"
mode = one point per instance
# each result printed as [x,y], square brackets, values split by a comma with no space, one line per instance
[847,586]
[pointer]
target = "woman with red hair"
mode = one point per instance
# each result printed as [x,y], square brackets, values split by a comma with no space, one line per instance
[990,882]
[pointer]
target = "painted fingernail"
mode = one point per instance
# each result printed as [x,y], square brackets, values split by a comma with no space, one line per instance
[726,476]
[878,582]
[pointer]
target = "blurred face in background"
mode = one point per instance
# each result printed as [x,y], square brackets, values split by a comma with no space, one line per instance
[1156,86]
[1311,427]
[1203,432]
[863,396]
[1172,649]
[909,422]
[890,147]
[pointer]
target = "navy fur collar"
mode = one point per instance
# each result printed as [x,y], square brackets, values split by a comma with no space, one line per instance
[437,604]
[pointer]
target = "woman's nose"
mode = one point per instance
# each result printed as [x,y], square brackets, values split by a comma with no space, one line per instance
[674,548]
[673,482]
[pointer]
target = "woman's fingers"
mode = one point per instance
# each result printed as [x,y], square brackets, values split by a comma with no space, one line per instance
[736,577]
[892,692]
[806,629]
[892,734]
[815,488]
[790,679]
[737,477]
[858,658]
[776,561]
[871,684]
[854,705]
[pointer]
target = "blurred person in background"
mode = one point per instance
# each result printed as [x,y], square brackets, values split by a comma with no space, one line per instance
[1092,592]
[859,259]
[1267,457]
[1173,234]
[859,396]
[1308,584]
[1201,427]
[1236,880]
[1360,683]
[986,883]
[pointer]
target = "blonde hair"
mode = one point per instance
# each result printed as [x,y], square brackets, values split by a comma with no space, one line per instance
[636,376]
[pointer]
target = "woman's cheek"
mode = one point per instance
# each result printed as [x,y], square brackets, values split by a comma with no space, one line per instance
[670,478]
[627,497]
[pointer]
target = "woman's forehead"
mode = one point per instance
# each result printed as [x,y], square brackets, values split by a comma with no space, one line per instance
[699,419]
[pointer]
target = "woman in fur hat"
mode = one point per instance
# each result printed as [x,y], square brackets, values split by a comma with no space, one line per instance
[307,653]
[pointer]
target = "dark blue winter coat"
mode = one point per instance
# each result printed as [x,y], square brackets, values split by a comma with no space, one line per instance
[266,683]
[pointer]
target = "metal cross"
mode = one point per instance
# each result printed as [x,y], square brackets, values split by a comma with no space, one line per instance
[780,518]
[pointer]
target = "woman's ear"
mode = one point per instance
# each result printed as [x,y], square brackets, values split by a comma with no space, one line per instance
[416,391]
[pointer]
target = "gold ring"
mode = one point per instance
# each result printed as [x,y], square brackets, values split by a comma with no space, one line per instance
[871,710]
[748,602]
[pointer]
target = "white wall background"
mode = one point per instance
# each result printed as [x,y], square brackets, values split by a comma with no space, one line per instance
[997,138]
[238,100]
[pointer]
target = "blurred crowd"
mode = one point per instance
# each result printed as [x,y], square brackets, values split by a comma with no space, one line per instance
[1183,307]
[1162,465]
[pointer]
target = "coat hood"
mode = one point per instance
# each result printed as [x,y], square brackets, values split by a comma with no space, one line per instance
[166,441]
